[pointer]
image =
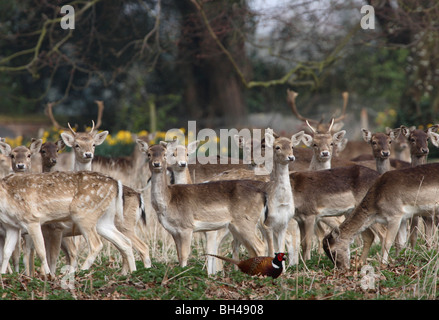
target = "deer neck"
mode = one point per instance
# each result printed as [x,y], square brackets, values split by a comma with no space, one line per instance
[182,177]
[359,220]
[319,165]
[383,165]
[280,173]
[160,193]
[417,161]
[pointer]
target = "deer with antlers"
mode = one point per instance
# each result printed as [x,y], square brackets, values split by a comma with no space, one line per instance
[83,145]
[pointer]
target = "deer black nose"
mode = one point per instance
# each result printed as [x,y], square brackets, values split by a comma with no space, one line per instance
[325,153]
[291,158]
[156,164]
[53,160]
[425,150]
[385,153]
[88,155]
[182,164]
[20,166]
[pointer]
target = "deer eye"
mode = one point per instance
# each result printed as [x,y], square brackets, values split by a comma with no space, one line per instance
[77,146]
[374,143]
[332,143]
[28,155]
[43,151]
[12,156]
[314,145]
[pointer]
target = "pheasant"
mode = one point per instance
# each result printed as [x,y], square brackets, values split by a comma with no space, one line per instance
[266,266]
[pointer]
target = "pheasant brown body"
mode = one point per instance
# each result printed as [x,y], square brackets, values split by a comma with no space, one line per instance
[265,266]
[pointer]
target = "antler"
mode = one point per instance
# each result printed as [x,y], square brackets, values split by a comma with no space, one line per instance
[49,113]
[291,98]
[100,113]
[345,96]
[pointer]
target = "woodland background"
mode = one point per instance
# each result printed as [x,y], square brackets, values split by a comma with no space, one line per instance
[158,63]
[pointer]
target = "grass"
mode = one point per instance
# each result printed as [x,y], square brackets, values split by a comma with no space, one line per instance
[411,275]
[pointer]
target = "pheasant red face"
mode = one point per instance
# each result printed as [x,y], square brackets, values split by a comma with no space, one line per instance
[281,256]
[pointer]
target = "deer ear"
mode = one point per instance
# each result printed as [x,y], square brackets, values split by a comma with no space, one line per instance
[367,135]
[405,131]
[68,139]
[35,146]
[143,145]
[307,139]
[434,139]
[5,148]
[337,137]
[269,140]
[192,147]
[394,134]
[297,138]
[163,143]
[99,138]
[61,145]
[341,145]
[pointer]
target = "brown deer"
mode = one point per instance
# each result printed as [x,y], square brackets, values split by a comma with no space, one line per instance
[323,145]
[90,200]
[184,209]
[394,197]
[381,146]
[417,140]
[21,156]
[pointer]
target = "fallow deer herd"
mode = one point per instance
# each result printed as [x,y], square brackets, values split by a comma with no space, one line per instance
[50,200]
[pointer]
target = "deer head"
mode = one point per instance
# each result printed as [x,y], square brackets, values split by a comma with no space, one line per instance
[21,156]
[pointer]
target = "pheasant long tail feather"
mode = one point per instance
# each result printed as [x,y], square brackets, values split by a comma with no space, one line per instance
[224,258]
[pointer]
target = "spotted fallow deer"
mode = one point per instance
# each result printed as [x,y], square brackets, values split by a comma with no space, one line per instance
[394,197]
[89,199]
[83,144]
[184,209]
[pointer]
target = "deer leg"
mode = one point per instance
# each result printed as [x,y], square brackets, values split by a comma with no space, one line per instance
[106,228]
[401,237]
[94,244]
[16,254]
[70,249]
[292,240]
[212,248]
[11,239]
[183,243]
[368,238]
[52,238]
[392,230]
[428,227]
[308,228]
[36,234]
[413,231]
